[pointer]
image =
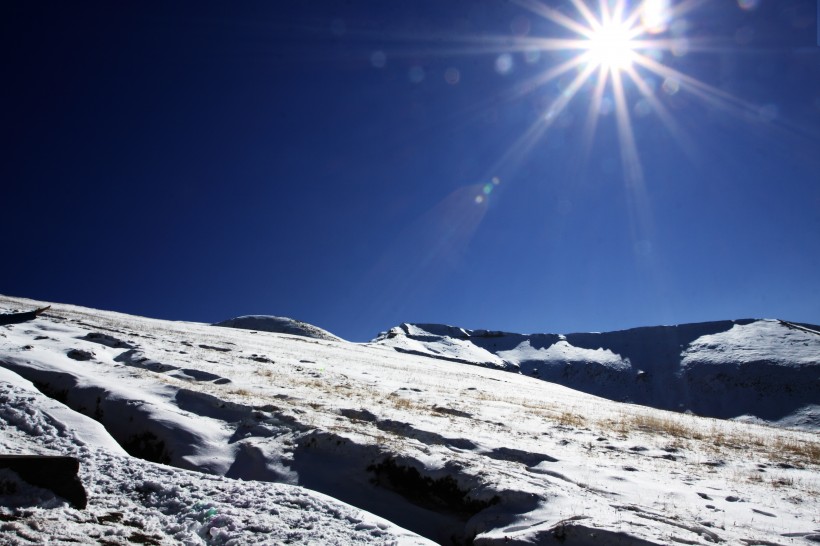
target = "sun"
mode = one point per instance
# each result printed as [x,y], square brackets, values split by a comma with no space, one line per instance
[618,66]
[614,55]
[611,46]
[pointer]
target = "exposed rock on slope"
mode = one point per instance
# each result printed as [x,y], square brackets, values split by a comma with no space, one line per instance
[758,369]
[279,325]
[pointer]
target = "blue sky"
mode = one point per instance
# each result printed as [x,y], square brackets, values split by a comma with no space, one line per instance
[356,165]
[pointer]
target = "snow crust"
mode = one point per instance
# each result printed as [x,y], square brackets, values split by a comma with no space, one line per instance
[235,437]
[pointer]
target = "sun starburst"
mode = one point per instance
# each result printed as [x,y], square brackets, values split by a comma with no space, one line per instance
[611,46]
[613,58]
[620,45]
[619,48]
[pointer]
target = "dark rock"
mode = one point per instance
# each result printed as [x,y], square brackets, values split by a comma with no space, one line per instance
[55,473]
[79,354]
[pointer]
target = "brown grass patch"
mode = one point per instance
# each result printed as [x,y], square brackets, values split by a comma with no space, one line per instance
[402,403]
[788,449]
[571,419]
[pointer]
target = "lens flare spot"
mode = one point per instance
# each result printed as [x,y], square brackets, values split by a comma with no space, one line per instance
[520,26]
[378,59]
[670,86]
[452,76]
[643,108]
[679,27]
[532,56]
[655,15]
[654,54]
[680,47]
[496,180]
[479,199]
[504,64]
[416,74]
[748,5]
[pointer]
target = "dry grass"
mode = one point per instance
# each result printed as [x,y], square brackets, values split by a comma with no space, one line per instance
[571,419]
[668,425]
[240,392]
[789,449]
[782,482]
[772,444]
[406,404]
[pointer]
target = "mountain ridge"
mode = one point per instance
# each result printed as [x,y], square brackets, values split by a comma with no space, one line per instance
[764,369]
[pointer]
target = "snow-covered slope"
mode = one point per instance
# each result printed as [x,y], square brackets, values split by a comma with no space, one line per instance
[238,437]
[280,325]
[754,369]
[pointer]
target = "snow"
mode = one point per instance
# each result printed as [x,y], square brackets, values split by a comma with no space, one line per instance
[760,341]
[136,501]
[561,352]
[255,437]
[86,431]
[281,325]
[764,370]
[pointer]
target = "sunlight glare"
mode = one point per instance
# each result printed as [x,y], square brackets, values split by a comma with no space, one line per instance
[611,46]
[621,46]
[655,15]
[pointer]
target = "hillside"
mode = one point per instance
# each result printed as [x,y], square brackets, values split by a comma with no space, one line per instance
[192,434]
[279,325]
[764,370]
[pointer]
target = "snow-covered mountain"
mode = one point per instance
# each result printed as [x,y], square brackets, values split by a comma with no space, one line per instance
[191,434]
[279,325]
[768,370]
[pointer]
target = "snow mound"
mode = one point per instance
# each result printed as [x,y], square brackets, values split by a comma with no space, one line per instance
[766,370]
[278,325]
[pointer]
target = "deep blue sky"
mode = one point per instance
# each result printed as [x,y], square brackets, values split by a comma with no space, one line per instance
[321,160]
